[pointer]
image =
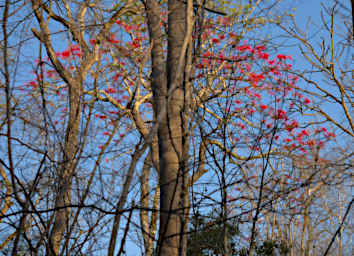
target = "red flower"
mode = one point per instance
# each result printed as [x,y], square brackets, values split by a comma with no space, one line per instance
[215,40]
[281,114]
[111,90]
[33,84]
[75,48]
[258,96]
[102,117]
[271,62]
[255,78]
[293,124]
[263,55]
[264,107]
[303,150]
[244,48]
[287,140]
[260,48]
[116,76]
[281,57]
[306,133]
[66,54]
[307,101]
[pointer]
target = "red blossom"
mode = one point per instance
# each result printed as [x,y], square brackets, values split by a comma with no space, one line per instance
[33,84]
[288,140]
[244,48]
[102,117]
[65,54]
[215,40]
[255,78]
[260,48]
[258,96]
[262,55]
[305,132]
[271,62]
[290,126]
[303,150]
[281,57]
[281,114]
[111,90]
[116,76]
[264,107]
[75,48]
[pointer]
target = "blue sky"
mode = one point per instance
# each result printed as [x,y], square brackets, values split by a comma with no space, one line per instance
[305,9]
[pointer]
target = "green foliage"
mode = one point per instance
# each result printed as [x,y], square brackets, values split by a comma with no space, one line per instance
[268,247]
[206,238]
[207,235]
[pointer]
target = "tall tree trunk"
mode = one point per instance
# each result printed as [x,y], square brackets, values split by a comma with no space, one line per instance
[167,86]
[63,195]
[170,137]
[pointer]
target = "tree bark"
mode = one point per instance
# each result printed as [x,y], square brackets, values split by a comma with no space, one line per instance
[168,96]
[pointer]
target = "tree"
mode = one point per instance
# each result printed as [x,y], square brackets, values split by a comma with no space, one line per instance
[327,53]
[206,235]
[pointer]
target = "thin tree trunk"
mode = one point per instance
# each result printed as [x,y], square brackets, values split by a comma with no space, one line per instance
[63,196]
[130,174]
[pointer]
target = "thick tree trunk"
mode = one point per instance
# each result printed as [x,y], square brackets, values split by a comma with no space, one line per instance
[170,137]
[167,86]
